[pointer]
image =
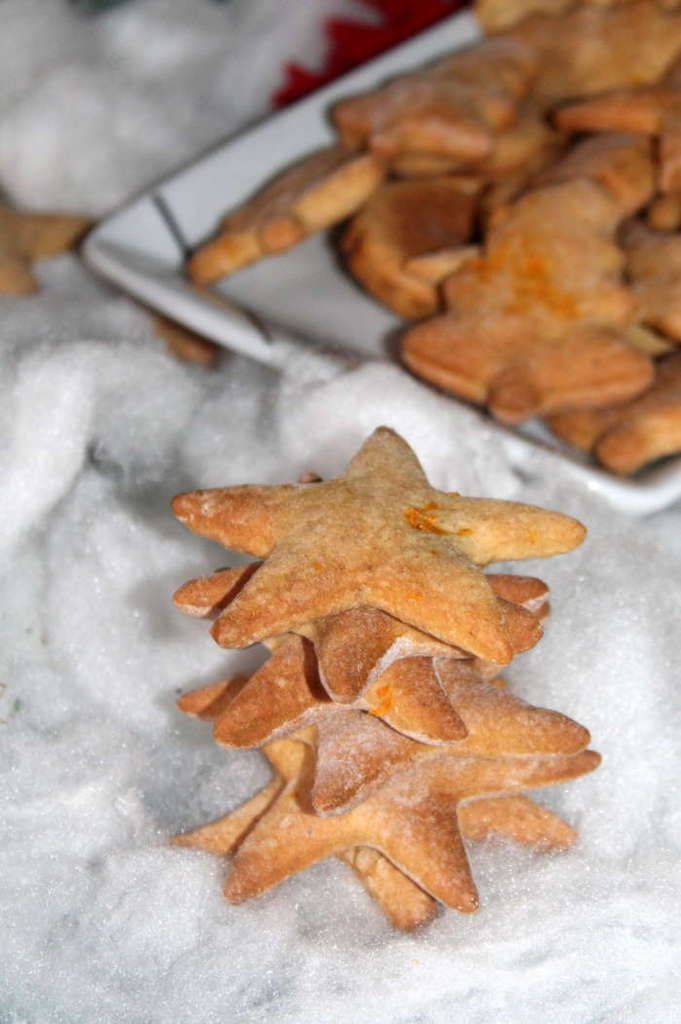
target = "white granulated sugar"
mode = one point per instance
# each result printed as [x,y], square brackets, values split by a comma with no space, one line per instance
[102,921]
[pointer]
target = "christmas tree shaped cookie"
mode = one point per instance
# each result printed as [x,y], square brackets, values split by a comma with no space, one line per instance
[392,740]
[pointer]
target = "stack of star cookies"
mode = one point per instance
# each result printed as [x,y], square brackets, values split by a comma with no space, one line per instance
[521,198]
[392,738]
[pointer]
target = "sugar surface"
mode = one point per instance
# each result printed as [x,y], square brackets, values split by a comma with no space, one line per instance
[102,921]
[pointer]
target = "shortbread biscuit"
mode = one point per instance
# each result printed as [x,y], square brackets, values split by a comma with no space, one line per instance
[412,820]
[286,695]
[413,552]
[536,324]
[450,110]
[654,268]
[26,237]
[357,753]
[653,110]
[519,372]
[407,238]
[406,906]
[625,438]
[320,190]
[621,163]
[354,647]
[590,49]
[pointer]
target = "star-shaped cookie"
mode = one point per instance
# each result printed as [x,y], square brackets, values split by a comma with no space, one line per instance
[412,821]
[408,236]
[536,324]
[426,701]
[286,695]
[627,437]
[356,753]
[451,109]
[405,903]
[653,110]
[356,646]
[380,536]
[26,237]
[407,906]
[654,268]
[593,47]
[318,191]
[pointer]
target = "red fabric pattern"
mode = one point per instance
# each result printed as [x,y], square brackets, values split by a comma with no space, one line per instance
[353,42]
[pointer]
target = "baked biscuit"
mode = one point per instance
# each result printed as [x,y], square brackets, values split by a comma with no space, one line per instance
[590,49]
[621,163]
[357,753]
[654,268]
[406,906]
[407,238]
[412,820]
[450,110]
[625,438]
[653,111]
[320,190]
[26,237]
[536,323]
[353,648]
[411,551]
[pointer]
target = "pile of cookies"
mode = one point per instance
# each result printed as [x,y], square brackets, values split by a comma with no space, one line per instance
[522,199]
[380,708]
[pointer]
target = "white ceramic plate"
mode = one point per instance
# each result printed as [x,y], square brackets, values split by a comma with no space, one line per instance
[302,295]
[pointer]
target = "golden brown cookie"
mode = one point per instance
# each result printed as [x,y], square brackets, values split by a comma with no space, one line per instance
[550,257]
[354,647]
[497,15]
[622,164]
[412,821]
[412,551]
[407,238]
[286,695]
[26,237]
[536,323]
[387,672]
[450,110]
[318,191]
[407,906]
[627,437]
[186,345]
[518,371]
[356,753]
[654,268]
[590,49]
[653,110]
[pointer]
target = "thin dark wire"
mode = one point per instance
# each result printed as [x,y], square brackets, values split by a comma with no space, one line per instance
[172,225]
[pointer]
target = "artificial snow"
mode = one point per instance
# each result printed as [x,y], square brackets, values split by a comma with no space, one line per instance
[102,921]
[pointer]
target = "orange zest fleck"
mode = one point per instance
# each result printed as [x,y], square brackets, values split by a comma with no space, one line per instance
[425,518]
[384,701]
[531,283]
